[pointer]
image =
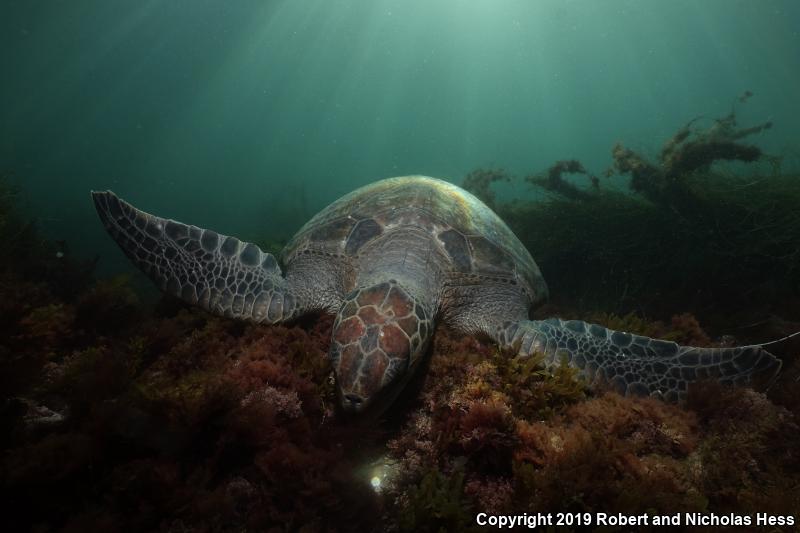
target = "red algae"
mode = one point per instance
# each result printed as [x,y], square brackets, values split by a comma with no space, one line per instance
[589,454]
[125,417]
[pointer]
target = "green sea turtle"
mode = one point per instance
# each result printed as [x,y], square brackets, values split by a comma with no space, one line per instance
[391,260]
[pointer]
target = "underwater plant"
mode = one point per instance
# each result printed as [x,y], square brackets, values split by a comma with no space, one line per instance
[618,252]
[688,151]
[479,183]
[583,453]
[553,179]
[712,236]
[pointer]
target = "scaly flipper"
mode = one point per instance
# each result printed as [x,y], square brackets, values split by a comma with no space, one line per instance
[221,274]
[633,364]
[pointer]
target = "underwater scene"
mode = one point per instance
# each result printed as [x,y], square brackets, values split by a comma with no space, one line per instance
[400,265]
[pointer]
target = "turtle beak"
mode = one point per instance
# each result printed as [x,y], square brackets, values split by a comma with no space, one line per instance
[353,403]
[355,406]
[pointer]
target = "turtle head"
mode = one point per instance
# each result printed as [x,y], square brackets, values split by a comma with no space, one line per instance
[379,337]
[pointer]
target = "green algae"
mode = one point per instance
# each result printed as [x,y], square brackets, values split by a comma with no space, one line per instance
[437,503]
[618,252]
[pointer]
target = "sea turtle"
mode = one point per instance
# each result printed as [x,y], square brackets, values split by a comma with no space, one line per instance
[391,260]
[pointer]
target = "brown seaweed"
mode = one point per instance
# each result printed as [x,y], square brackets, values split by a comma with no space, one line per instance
[553,179]
[479,182]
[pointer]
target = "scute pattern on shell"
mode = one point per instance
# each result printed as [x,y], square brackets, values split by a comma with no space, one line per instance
[474,238]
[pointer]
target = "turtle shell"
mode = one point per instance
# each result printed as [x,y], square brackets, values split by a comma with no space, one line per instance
[476,241]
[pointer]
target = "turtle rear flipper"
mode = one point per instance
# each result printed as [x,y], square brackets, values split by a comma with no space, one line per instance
[633,364]
[221,274]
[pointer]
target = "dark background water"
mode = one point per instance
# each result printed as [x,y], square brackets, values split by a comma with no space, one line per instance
[248,116]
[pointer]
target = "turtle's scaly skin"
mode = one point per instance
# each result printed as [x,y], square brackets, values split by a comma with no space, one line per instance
[390,260]
[221,274]
[633,364]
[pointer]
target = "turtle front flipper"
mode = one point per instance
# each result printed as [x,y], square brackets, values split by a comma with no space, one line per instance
[633,364]
[221,274]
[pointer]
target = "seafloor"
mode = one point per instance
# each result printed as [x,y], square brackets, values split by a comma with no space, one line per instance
[124,416]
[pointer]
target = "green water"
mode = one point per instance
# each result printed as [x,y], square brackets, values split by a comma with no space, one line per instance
[247,116]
